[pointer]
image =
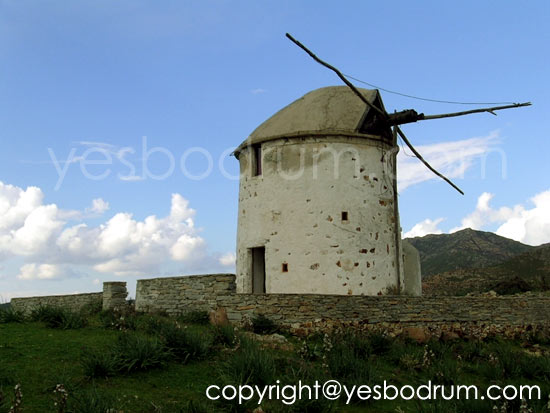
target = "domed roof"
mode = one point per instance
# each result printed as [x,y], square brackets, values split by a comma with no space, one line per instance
[333,110]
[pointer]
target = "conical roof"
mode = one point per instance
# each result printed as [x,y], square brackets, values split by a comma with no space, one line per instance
[333,110]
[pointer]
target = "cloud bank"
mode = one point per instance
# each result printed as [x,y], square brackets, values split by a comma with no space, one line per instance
[51,242]
[528,223]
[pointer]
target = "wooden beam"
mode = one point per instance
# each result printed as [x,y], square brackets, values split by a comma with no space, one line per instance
[340,75]
[468,112]
[400,132]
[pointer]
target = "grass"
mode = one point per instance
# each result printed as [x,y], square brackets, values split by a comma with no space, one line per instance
[164,365]
[57,317]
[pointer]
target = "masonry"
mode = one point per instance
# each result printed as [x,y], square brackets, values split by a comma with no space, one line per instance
[71,302]
[318,312]
[311,312]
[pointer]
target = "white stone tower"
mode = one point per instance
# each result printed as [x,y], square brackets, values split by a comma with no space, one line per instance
[317,200]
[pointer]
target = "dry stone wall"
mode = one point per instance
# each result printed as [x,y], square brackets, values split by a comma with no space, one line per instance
[309,312]
[114,294]
[177,295]
[73,302]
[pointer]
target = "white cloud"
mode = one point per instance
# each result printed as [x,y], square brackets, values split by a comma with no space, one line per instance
[41,272]
[99,206]
[125,246]
[258,91]
[530,225]
[122,245]
[452,159]
[484,214]
[423,228]
[228,260]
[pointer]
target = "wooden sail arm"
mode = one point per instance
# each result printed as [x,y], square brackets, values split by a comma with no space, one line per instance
[400,132]
[340,75]
[410,115]
[468,112]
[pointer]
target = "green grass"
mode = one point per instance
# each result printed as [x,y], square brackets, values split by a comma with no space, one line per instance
[162,365]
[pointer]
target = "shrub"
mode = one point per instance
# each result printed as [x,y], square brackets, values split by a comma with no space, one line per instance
[57,317]
[118,320]
[263,325]
[185,344]
[92,308]
[445,371]
[91,401]
[307,374]
[225,335]
[10,315]
[7,376]
[378,343]
[136,352]
[152,324]
[471,350]
[99,364]
[195,317]
[194,406]
[249,365]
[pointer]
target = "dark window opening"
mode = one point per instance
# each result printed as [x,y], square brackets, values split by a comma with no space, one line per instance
[258,270]
[257,160]
[285,267]
[344,215]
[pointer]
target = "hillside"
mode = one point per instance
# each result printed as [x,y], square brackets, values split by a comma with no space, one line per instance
[529,271]
[464,249]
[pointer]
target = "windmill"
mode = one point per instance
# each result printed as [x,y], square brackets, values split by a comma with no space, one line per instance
[382,119]
[318,205]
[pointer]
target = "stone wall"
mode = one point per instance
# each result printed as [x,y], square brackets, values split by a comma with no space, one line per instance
[176,295]
[114,294]
[317,312]
[73,302]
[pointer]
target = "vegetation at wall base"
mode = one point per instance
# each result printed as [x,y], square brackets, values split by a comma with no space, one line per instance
[164,365]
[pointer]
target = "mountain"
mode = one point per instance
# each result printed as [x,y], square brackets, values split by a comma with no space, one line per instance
[464,249]
[529,271]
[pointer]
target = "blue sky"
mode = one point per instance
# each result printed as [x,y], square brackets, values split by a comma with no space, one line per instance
[97,79]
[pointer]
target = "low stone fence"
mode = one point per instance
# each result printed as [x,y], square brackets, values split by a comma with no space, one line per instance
[304,313]
[73,301]
[309,312]
[177,295]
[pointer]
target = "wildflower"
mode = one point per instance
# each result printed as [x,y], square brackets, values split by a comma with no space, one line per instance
[427,357]
[62,396]
[524,407]
[16,408]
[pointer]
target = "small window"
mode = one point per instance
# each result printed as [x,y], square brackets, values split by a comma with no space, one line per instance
[285,267]
[256,160]
[344,215]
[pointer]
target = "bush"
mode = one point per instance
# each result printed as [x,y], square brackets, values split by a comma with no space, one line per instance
[135,352]
[57,317]
[99,364]
[307,374]
[92,308]
[249,365]
[185,344]
[225,335]
[195,317]
[152,324]
[10,315]
[263,325]
[346,357]
[91,401]
[118,320]
[378,344]
[7,377]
